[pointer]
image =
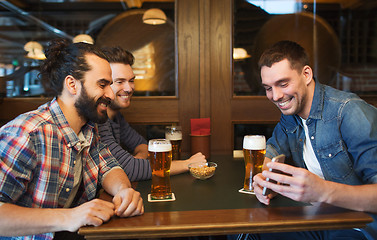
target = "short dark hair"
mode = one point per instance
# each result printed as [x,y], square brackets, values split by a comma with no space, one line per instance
[65,58]
[119,55]
[281,50]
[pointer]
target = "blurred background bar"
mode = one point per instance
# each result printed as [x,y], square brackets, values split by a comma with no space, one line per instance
[200,62]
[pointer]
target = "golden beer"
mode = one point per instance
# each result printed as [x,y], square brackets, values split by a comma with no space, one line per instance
[160,157]
[254,150]
[174,134]
[176,149]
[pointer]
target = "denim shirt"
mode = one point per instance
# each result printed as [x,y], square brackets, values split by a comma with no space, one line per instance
[343,132]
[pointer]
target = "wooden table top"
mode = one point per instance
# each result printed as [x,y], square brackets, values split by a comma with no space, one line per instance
[215,207]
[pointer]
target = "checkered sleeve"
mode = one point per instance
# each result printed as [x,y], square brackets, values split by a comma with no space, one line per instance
[16,163]
[107,161]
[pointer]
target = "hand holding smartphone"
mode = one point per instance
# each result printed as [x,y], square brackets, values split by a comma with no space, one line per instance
[280,159]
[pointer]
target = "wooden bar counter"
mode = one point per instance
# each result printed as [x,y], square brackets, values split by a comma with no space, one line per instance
[215,207]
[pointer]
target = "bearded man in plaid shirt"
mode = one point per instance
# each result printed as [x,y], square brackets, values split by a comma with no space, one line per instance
[51,160]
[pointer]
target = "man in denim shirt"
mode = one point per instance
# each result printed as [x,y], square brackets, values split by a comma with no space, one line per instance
[329,136]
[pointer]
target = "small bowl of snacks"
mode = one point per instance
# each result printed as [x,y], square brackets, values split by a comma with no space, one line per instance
[202,170]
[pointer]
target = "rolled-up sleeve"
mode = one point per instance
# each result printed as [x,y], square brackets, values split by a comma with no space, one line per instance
[16,164]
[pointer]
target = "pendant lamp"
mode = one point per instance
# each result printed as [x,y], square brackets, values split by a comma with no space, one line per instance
[240,53]
[154,16]
[35,50]
[83,38]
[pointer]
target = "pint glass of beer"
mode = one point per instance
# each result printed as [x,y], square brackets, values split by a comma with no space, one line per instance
[174,134]
[254,149]
[160,156]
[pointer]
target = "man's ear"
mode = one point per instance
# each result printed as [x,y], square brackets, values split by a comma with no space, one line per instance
[308,74]
[71,84]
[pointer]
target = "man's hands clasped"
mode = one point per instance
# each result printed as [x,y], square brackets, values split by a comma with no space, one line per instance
[126,203]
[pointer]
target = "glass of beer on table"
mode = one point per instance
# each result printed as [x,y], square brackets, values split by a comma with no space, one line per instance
[160,157]
[174,134]
[254,149]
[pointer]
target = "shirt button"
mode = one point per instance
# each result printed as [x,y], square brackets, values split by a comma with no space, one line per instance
[312,137]
[330,155]
[67,189]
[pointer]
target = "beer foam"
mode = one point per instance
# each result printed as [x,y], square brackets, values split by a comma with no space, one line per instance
[254,142]
[174,136]
[159,145]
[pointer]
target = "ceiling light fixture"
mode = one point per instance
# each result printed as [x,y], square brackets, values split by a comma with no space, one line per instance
[85,38]
[35,50]
[154,16]
[240,53]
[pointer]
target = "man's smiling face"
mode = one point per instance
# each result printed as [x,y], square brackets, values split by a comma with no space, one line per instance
[123,85]
[286,88]
[95,94]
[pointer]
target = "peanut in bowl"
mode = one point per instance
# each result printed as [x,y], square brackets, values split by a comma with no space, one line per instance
[202,170]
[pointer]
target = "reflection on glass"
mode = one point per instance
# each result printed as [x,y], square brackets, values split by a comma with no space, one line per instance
[277,7]
[144,69]
[16,80]
[340,39]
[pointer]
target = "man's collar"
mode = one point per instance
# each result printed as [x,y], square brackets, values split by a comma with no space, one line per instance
[318,101]
[60,120]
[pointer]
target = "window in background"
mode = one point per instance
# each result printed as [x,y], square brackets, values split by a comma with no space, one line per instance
[153,47]
[340,37]
[240,130]
[42,21]
[150,131]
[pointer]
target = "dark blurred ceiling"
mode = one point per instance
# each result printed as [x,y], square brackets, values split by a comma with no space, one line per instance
[352,4]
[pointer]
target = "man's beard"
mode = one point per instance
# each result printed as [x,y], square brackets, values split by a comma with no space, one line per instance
[114,106]
[87,107]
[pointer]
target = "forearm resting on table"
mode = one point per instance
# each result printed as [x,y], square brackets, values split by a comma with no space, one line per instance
[359,198]
[21,221]
[115,180]
[178,166]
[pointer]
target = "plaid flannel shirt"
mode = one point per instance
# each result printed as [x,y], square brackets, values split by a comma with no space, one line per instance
[37,154]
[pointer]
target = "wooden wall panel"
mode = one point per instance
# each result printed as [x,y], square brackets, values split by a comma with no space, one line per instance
[152,110]
[254,109]
[12,107]
[221,74]
[205,61]
[188,33]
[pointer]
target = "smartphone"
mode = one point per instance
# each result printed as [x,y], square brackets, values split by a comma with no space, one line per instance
[280,159]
